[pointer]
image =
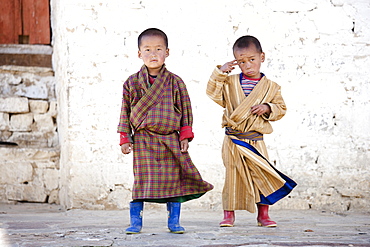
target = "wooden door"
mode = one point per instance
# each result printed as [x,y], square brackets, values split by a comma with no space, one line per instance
[25,22]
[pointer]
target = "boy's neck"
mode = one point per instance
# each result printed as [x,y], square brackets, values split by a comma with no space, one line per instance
[253,79]
[154,72]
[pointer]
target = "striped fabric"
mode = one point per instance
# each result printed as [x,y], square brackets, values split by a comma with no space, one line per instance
[162,108]
[154,116]
[226,91]
[250,135]
[249,178]
[247,84]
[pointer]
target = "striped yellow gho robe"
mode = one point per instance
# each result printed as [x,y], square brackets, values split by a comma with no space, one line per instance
[250,178]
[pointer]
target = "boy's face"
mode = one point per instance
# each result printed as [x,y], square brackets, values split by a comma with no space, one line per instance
[153,52]
[249,61]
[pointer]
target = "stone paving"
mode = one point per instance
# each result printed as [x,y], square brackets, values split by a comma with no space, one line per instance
[31,225]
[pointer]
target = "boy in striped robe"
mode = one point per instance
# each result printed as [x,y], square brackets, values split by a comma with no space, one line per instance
[251,101]
[156,123]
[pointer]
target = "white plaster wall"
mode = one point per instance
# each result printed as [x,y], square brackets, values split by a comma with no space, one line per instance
[318,51]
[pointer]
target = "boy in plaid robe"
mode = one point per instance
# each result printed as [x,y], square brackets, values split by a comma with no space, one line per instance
[155,122]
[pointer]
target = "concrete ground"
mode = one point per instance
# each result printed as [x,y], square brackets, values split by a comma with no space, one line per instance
[49,225]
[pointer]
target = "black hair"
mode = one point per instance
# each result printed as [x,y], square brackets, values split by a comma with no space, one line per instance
[247,41]
[152,32]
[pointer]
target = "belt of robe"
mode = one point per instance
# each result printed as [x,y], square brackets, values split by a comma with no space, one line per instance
[250,135]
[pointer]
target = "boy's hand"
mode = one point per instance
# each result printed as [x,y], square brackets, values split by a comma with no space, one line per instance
[229,66]
[126,148]
[184,145]
[261,109]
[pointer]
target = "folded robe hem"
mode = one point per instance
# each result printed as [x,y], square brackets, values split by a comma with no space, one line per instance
[278,194]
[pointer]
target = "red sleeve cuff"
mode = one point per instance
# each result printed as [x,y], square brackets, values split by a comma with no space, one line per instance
[124,138]
[186,132]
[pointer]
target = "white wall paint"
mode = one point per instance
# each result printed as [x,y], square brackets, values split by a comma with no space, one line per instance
[318,51]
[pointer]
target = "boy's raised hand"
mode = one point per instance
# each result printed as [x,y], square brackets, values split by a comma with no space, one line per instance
[229,66]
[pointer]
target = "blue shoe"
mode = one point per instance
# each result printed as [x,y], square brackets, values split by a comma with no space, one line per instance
[173,209]
[136,217]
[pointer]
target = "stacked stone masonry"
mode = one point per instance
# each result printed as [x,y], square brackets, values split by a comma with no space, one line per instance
[29,152]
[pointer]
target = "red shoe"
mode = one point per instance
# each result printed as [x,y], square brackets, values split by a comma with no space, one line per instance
[263,218]
[229,218]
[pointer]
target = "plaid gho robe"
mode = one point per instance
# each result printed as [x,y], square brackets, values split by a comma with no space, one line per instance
[154,115]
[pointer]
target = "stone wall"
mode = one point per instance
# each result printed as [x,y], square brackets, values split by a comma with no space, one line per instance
[29,149]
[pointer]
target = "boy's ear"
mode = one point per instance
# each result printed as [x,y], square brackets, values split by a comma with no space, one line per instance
[167,52]
[139,53]
[262,57]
